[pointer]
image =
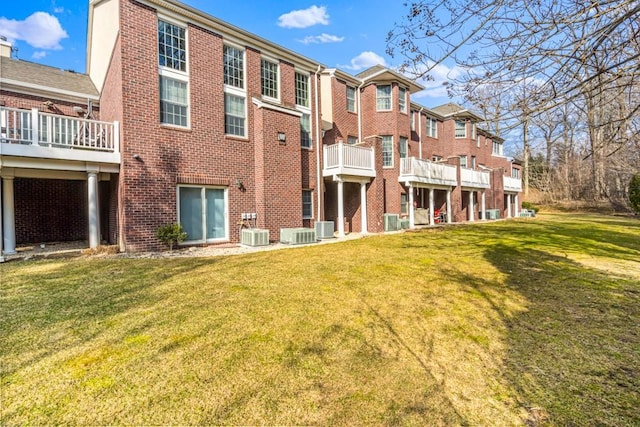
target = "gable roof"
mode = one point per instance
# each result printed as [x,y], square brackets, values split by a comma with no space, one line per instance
[32,78]
[453,110]
[379,73]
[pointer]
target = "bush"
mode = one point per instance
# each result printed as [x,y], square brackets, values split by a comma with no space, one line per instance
[634,193]
[171,234]
[530,207]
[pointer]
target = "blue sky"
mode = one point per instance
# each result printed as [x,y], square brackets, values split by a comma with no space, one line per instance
[347,34]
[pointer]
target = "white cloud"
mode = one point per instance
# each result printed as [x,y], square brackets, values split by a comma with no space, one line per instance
[365,60]
[39,54]
[40,30]
[322,38]
[304,18]
[58,9]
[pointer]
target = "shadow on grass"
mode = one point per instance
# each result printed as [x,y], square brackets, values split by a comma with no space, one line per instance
[75,301]
[573,356]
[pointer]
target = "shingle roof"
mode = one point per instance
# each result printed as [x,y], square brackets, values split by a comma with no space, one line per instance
[370,71]
[53,79]
[448,109]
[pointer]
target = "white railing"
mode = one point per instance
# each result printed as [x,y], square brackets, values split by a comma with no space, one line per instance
[512,184]
[348,157]
[32,127]
[413,169]
[473,178]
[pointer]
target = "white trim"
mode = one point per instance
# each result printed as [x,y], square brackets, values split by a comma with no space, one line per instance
[268,106]
[278,77]
[37,87]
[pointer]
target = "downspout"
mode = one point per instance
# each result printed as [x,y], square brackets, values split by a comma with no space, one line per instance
[420,130]
[319,146]
[359,113]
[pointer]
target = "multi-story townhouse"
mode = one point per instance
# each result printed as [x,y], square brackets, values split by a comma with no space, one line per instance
[205,124]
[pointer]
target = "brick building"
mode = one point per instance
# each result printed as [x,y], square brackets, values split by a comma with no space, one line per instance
[205,124]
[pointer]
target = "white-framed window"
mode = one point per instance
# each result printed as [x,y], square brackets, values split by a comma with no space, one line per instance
[497,148]
[515,173]
[387,151]
[437,158]
[307,204]
[203,213]
[473,131]
[305,131]
[383,98]
[234,115]
[402,100]
[413,120]
[269,79]
[461,129]
[403,147]
[302,89]
[432,127]
[233,59]
[174,77]
[351,99]
[352,140]
[404,203]
[473,162]
[463,161]
[478,140]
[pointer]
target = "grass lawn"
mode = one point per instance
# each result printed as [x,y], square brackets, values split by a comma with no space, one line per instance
[523,322]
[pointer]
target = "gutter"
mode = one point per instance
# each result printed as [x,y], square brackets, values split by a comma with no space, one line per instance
[319,146]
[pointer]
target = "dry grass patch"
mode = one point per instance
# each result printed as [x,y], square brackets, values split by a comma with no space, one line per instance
[494,324]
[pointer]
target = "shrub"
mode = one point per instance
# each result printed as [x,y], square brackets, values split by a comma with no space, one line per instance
[171,234]
[530,207]
[634,193]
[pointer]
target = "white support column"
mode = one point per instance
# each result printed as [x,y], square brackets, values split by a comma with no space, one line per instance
[508,205]
[94,226]
[412,217]
[516,207]
[431,207]
[449,206]
[363,207]
[8,216]
[471,207]
[340,207]
[483,206]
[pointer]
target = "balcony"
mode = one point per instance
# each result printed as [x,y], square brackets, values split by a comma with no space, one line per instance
[427,172]
[34,134]
[474,179]
[512,184]
[341,159]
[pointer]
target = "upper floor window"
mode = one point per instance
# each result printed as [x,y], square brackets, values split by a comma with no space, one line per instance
[269,73]
[403,147]
[461,129]
[473,162]
[402,99]
[463,161]
[497,148]
[413,120]
[234,115]
[432,127]
[351,99]
[478,140]
[174,102]
[383,98]
[437,158]
[352,140]
[233,67]
[302,89]
[305,130]
[387,151]
[515,173]
[172,46]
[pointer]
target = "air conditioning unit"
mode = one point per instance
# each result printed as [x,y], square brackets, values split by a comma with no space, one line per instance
[297,236]
[254,237]
[404,224]
[391,222]
[324,229]
[492,214]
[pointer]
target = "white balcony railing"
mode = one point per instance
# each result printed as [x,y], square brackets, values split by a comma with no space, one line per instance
[512,184]
[33,133]
[348,160]
[427,172]
[474,179]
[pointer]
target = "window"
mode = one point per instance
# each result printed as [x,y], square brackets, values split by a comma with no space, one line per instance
[473,162]
[497,148]
[403,147]
[383,98]
[461,129]
[404,204]
[515,173]
[432,127]
[473,131]
[172,49]
[402,100]
[202,212]
[437,158]
[233,67]
[478,140]
[302,90]
[269,73]
[174,80]
[387,151]
[307,204]
[351,99]
[173,101]
[463,161]
[351,140]
[305,131]
[234,115]
[413,121]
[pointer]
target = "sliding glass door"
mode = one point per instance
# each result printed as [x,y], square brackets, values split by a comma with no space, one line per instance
[202,212]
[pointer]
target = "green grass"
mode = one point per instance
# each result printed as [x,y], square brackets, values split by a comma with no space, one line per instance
[527,322]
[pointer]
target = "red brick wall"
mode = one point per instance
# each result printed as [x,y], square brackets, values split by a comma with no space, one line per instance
[64,108]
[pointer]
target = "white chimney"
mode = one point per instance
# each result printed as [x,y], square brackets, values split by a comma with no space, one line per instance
[5,47]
